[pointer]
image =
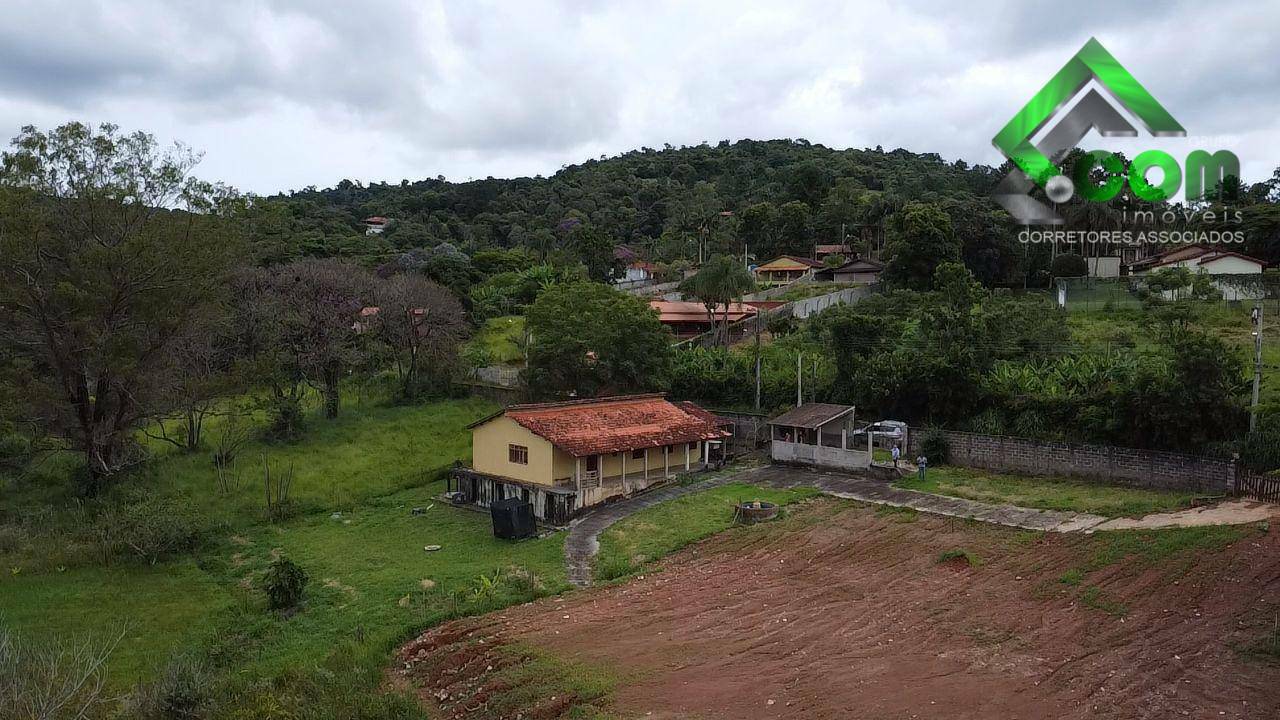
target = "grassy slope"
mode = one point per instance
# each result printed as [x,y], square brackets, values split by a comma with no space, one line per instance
[1046,493]
[1102,329]
[368,451]
[156,608]
[364,566]
[354,465]
[657,531]
[500,337]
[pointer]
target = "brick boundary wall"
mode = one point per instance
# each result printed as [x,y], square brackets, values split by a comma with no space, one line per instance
[1150,469]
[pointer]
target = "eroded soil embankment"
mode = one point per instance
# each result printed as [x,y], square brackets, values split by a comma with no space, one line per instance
[843,612]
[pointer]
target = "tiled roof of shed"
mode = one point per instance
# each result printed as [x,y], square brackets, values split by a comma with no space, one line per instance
[811,415]
[606,425]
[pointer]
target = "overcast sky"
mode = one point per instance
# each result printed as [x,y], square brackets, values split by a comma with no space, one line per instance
[282,95]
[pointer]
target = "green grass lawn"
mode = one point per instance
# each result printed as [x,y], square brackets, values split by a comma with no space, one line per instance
[367,570]
[501,338]
[370,450]
[366,452]
[1046,493]
[372,584]
[628,545]
[152,610]
[805,291]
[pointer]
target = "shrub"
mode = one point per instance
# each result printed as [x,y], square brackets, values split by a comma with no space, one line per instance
[1069,265]
[779,325]
[934,445]
[957,555]
[148,526]
[1260,451]
[14,450]
[53,679]
[183,692]
[284,584]
[287,418]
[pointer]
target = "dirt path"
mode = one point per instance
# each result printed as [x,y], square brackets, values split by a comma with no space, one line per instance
[582,544]
[1231,512]
[840,612]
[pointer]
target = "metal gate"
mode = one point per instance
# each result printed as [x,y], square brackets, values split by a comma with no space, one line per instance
[1258,487]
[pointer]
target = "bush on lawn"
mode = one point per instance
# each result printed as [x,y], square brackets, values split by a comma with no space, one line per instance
[934,445]
[150,527]
[284,584]
[185,691]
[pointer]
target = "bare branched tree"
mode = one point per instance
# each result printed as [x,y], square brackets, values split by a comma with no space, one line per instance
[420,324]
[55,680]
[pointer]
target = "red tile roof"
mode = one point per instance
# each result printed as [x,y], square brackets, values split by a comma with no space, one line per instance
[1200,253]
[376,220]
[606,425]
[673,311]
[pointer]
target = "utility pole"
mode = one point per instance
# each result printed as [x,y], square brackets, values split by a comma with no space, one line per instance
[759,313]
[813,389]
[799,379]
[1257,365]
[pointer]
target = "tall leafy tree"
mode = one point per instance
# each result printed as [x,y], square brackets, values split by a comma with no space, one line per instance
[594,249]
[109,249]
[587,340]
[718,283]
[920,239]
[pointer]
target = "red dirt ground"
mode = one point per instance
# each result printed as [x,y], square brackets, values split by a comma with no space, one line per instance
[837,612]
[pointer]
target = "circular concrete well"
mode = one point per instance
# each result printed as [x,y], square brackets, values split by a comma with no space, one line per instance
[755,511]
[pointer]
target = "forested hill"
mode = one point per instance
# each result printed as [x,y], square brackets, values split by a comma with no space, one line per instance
[784,195]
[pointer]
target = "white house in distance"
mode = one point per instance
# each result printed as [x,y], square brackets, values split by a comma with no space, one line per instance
[1207,259]
[375,225]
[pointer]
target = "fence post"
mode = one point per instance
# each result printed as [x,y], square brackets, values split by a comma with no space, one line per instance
[1233,481]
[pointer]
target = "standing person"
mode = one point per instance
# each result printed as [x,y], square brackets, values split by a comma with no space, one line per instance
[896,453]
[922,463]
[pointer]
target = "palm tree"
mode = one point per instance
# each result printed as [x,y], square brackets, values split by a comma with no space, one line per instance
[719,282]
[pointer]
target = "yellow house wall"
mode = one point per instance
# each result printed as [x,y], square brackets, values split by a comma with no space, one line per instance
[548,464]
[611,464]
[489,452]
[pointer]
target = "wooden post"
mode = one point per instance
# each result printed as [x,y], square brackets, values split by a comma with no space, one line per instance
[666,461]
[577,472]
[646,463]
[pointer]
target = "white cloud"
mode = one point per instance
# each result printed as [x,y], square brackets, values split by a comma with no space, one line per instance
[285,94]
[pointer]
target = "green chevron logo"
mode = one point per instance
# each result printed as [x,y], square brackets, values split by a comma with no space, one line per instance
[1033,162]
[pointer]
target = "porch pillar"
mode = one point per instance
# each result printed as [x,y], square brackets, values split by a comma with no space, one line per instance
[624,454]
[646,463]
[706,452]
[577,472]
[686,457]
[844,437]
[666,461]
[819,437]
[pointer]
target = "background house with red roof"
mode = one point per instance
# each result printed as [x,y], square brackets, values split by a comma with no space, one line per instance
[376,224]
[785,269]
[1209,260]
[687,319]
[565,456]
